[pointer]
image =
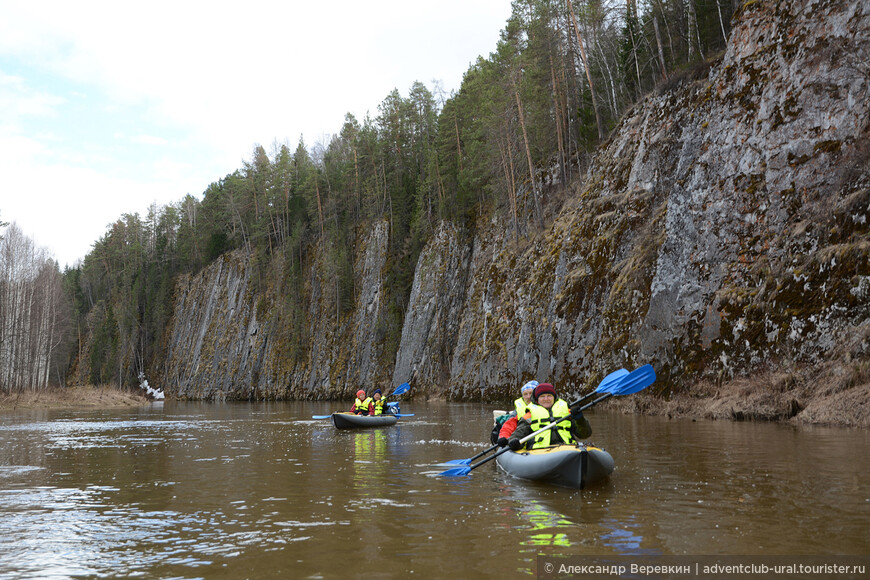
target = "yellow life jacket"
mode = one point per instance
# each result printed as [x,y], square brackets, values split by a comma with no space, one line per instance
[521,407]
[362,406]
[541,417]
[379,406]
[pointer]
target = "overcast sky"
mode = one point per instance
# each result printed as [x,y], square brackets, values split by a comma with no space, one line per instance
[107,107]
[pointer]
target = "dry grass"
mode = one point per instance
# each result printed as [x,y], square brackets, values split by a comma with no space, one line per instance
[802,397]
[88,397]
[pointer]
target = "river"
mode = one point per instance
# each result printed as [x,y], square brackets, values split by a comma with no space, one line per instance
[262,490]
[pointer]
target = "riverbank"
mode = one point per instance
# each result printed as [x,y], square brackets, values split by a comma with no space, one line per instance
[828,396]
[808,398]
[71,397]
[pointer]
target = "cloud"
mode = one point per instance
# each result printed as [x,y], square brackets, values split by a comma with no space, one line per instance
[145,139]
[70,218]
[18,100]
[109,106]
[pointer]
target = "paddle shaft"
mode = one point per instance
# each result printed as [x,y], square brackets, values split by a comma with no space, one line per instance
[583,398]
[481,454]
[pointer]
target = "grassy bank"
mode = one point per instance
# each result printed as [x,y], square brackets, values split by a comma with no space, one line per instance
[71,397]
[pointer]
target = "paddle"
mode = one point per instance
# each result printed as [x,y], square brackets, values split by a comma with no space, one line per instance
[400,390]
[636,381]
[608,383]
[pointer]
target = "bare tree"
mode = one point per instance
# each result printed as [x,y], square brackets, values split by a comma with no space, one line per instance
[31,306]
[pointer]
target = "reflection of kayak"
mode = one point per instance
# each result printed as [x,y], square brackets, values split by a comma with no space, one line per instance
[351,421]
[567,465]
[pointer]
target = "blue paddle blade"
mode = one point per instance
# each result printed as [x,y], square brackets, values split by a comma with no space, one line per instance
[636,381]
[458,462]
[404,414]
[611,380]
[402,389]
[321,416]
[456,472]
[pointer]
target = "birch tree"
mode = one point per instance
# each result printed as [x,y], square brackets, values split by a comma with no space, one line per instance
[32,305]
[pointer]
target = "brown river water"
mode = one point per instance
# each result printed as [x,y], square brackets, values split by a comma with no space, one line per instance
[262,490]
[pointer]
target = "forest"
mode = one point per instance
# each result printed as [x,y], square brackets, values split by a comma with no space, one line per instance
[506,145]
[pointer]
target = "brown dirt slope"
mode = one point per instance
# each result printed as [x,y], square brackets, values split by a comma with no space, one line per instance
[71,397]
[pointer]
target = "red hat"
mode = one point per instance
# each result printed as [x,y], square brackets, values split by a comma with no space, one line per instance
[542,389]
[360,394]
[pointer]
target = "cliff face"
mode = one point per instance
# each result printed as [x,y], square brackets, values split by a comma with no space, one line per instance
[216,345]
[722,231]
[227,341]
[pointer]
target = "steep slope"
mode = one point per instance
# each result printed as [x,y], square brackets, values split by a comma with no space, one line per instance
[721,232]
[227,341]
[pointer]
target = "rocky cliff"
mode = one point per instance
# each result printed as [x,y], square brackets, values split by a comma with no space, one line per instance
[721,233]
[228,341]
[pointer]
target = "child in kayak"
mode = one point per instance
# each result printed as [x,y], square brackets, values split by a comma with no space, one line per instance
[547,407]
[362,405]
[378,404]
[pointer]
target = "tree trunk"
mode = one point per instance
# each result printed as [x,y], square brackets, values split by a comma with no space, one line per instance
[667,29]
[319,205]
[659,45]
[588,72]
[458,143]
[507,167]
[721,22]
[538,214]
[356,183]
[632,22]
[694,34]
[614,107]
[557,112]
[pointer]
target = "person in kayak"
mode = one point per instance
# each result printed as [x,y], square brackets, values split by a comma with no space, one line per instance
[525,401]
[362,405]
[548,406]
[521,409]
[378,403]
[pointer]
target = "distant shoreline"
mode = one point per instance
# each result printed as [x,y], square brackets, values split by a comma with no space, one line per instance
[87,397]
[770,399]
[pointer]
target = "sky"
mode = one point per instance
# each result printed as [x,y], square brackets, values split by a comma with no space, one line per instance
[108,108]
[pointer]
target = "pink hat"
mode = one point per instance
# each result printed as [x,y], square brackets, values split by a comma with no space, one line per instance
[360,394]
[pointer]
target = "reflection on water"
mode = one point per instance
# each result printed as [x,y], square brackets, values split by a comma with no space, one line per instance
[544,526]
[191,490]
[624,537]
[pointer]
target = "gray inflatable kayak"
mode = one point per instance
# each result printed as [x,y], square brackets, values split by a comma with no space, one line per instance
[351,421]
[574,466]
